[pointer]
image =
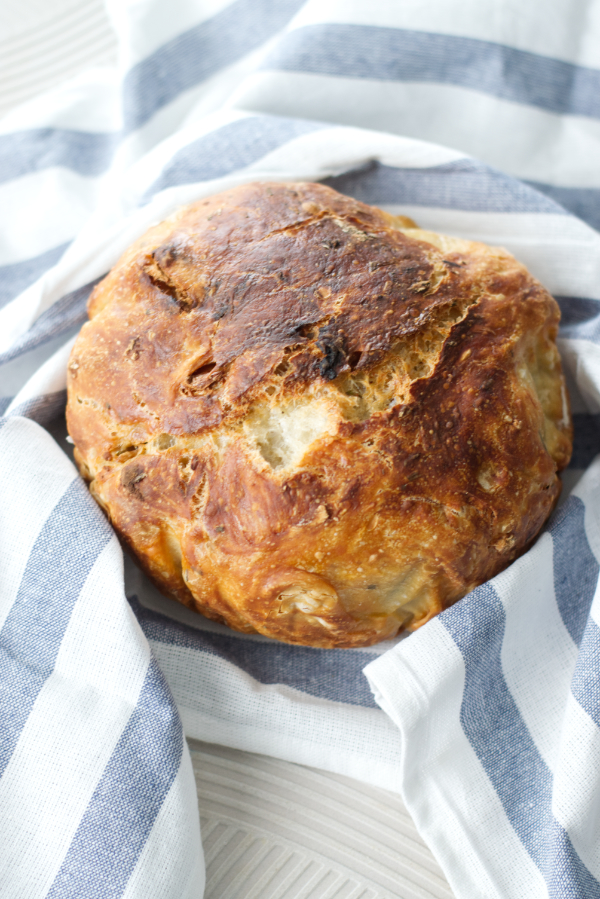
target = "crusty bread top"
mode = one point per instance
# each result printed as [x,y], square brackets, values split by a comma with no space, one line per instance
[280,375]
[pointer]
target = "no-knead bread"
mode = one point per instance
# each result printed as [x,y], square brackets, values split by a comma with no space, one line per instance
[313,420]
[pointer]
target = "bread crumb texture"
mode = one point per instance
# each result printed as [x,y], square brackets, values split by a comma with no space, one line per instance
[315,421]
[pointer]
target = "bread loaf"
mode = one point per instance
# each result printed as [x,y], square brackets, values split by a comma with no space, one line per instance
[312,420]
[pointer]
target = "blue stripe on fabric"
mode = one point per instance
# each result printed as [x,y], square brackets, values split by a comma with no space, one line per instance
[491,719]
[564,872]
[575,567]
[584,202]
[334,674]
[230,148]
[464,184]
[587,330]
[62,557]
[585,685]
[65,314]
[200,52]
[42,409]
[24,152]
[499,737]
[14,278]
[394,54]
[586,442]
[121,813]
[577,310]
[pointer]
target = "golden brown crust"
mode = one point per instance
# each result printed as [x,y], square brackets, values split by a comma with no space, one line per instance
[315,421]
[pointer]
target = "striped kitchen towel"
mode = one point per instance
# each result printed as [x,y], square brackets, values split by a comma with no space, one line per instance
[488,719]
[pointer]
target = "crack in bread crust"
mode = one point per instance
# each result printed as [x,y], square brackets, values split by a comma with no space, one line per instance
[313,420]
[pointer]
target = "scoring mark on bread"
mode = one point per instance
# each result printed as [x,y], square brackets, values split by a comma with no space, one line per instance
[163,283]
[204,377]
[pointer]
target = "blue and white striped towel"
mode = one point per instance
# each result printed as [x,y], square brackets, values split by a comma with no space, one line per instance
[492,731]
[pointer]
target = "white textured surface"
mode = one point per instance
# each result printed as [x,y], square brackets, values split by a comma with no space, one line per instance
[44,42]
[274,830]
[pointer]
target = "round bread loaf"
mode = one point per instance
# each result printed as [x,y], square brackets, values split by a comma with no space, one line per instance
[310,419]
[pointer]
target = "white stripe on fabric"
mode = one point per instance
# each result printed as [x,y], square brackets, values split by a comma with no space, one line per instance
[582,357]
[576,784]
[27,499]
[538,655]
[455,807]
[72,730]
[578,406]
[117,663]
[588,489]
[149,168]
[144,27]
[218,88]
[16,277]
[111,152]
[574,41]
[88,102]
[42,210]
[527,142]
[230,707]
[192,104]
[163,867]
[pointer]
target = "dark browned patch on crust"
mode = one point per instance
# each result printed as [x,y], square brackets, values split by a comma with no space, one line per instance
[161,281]
[336,286]
[131,478]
